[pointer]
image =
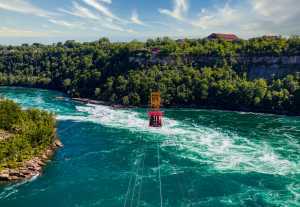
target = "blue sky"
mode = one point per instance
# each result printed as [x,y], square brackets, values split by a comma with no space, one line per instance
[47,21]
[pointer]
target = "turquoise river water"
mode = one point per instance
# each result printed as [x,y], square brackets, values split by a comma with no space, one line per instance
[199,158]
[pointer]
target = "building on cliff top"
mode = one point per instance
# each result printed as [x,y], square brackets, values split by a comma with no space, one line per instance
[220,36]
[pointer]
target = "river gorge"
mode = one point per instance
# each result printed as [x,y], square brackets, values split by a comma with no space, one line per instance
[199,158]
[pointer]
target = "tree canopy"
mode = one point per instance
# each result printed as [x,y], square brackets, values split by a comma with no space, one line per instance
[105,71]
[32,131]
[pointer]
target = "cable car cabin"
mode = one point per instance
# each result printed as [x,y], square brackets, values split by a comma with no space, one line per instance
[155,118]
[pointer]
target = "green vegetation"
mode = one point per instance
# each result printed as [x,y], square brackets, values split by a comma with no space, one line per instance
[31,131]
[106,71]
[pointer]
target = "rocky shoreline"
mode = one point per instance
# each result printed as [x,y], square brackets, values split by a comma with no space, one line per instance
[32,167]
[240,109]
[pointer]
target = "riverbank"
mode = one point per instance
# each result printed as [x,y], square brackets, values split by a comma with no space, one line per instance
[30,168]
[241,109]
[192,106]
[28,139]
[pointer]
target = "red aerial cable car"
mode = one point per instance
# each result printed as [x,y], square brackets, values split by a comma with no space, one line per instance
[155,115]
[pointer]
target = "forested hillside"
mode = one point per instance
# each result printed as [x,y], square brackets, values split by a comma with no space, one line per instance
[199,73]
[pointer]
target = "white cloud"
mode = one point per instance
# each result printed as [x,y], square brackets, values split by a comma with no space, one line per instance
[25,7]
[80,11]
[15,32]
[222,17]
[111,26]
[179,9]
[253,18]
[102,9]
[246,18]
[106,1]
[277,10]
[66,24]
[104,21]
[135,19]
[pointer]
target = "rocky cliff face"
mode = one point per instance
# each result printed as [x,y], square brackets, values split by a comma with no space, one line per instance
[270,71]
[256,67]
[269,67]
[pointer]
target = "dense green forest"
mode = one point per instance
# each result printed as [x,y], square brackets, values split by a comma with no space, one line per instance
[102,70]
[23,133]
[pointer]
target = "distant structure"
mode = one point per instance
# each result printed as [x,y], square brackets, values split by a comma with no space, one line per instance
[180,41]
[220,36]
[271,36]
[268,37]
[155,51]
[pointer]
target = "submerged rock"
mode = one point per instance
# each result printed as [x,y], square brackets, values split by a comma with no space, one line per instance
[58,143]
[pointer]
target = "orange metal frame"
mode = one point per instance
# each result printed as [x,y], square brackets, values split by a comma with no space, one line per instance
[155,116]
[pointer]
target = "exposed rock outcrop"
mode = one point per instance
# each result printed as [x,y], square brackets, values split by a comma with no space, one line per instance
[4,135]
[32,167]
[257,66]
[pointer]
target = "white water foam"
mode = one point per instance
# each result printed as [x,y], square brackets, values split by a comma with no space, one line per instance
[294,188]
[226,151]
[13,189]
